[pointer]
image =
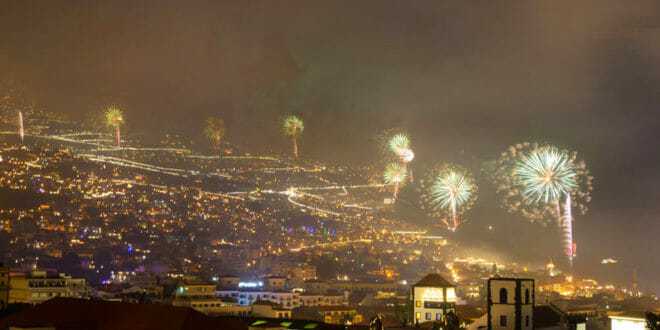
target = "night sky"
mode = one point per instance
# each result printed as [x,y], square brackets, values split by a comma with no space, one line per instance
[465,79]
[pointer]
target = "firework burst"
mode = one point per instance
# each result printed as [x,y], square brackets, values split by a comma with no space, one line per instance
[114,118]
[398,143]
[545,174]
[539,181]
[448,192]
[395,174]
[215,130]
[293,126]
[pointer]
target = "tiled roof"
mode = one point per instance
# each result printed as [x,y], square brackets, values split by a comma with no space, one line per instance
[434,280]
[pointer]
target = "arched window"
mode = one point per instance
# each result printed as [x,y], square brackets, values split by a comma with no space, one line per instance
[503,296]
[526,296]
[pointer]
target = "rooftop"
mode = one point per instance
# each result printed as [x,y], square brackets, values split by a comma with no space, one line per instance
[70,313]
[434,280]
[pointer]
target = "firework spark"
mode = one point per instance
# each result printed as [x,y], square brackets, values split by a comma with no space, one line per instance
[449,191]
[293,126]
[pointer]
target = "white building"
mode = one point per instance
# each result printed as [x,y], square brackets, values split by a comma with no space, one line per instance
[312,300]
[628,321]
[40,286]
[287,300]
[434,297]
[510,303]
[198,294]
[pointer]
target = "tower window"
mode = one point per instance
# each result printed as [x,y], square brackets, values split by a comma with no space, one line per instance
[526,296]
[503,296]
[503,320]
[526,320]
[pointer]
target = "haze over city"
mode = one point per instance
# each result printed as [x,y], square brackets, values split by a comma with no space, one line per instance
[208,98]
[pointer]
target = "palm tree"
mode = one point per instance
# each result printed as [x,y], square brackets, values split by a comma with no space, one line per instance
[293,126]
[114,118]
[215,130]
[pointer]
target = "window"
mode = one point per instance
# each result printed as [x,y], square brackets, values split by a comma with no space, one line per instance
[418,315]
[438,316]
[428,316]
[526,296]
[418,303]
[503,320]
[503,296]
[526,320]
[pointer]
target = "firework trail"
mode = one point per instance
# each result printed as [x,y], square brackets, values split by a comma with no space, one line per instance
[114,118]
[395,175]
[293,126]
[448,192]
[20,126]
[567,231]
[537,181]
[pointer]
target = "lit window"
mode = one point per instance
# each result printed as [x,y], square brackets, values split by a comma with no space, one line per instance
[418,303]
[418,315]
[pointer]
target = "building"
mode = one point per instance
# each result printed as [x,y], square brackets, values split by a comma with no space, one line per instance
[551,317]
[510,303]
[304,272]
[275,283]
[198,294]
[40,286]
[468,290]
[315,287]
[4,287]
[339,314]
[269,309]
[360,286]
[628,321]
[245,298]
[329,299]
[229,282]
[433,297]
[146,281]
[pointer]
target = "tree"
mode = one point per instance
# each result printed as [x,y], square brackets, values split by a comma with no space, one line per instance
[405,312]
[450,321]
[652,321]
